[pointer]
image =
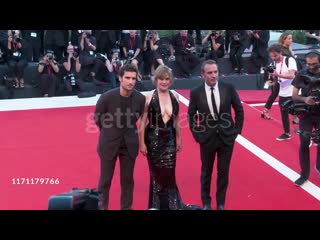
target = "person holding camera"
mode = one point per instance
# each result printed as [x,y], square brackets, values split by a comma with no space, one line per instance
[90,64]
[311,119]
[15,54]
[132,49]
[184,46]
[151,56]
[48,68]
[113,67]
[259,55]
[285,40]
[239,40]
[216,41]
[72,67]
[282,74]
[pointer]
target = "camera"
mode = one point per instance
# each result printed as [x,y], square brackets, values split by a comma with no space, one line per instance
[17,39]
[118,62]
[75,51]
[311,81]
[213,33]
[149,34]
[236,36]
[269,69]
[50,56]
[315,135]
[130,53]
[313,89]
[71,77]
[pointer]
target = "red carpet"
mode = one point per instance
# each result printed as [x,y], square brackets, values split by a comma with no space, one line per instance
[61,144]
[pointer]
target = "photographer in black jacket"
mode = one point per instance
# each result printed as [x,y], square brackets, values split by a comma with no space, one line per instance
[72,67]
[15,54]
[239,40]
[308,81]
[48,68]
[216,44]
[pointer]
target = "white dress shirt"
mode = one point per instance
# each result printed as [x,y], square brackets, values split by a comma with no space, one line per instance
[216,98]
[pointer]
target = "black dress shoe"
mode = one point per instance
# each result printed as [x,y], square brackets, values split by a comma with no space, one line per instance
[206,207]
[220,207]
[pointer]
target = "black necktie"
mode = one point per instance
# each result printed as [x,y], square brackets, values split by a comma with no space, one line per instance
[215,110]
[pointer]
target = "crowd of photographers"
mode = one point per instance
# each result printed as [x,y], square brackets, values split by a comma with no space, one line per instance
[76,56]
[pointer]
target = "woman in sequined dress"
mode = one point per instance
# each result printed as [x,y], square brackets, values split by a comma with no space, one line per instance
[160,140]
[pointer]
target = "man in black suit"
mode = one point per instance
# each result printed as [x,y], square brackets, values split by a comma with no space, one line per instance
[116,114]
[212,126]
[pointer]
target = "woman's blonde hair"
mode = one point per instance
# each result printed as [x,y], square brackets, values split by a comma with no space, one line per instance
[283,37]
[162,72]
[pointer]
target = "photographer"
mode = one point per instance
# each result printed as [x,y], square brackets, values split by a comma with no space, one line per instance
[216,41]
[259,55]
[90,64]
[48,68]
[312,38]
[151,57]
[72,68]
[239,40]
[132,49]
[310,96]
[183,45]
[284,75]
[15,54]
[114,67]
[285,40]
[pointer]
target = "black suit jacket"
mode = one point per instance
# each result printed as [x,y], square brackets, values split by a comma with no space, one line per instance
[202,125]
[106,117]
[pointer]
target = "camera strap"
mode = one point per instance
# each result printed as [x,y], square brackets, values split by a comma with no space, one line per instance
[280,65]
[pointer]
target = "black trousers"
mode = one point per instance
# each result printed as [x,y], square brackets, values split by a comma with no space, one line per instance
[236,56]
[107,167]
[208,152]
[284,114]
[16,68]
[48,84]
[187,63]
[307,123]
[259,60]
[274,93]
[215,54]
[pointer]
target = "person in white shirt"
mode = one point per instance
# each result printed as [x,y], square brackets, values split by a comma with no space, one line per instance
[283,73]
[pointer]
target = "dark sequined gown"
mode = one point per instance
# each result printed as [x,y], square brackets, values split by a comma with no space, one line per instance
[160,138]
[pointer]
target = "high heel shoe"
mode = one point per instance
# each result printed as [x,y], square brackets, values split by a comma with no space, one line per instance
[266,115]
